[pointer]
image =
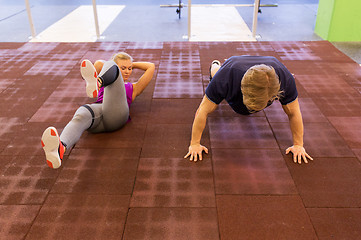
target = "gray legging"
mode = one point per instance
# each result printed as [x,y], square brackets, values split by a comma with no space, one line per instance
[108,116]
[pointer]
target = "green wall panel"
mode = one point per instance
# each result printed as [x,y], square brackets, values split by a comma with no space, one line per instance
[339,20]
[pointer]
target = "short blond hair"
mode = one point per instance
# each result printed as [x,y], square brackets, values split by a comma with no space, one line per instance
[260,84]
[121,56]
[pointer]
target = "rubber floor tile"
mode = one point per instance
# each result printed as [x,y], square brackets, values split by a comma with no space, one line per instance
[209,51]
[30,87]
[58,110]
[298,54]
[74,47]
[8,127]
[302,93]
[310,112]
[336,223]
[357,152]
[145,45]
[22,107]
[207,58]
[173,182]
[97,55]
[109,171]
[71,88]
[81,217]
[254,47]
[212,45]
[73,74]
[140,109]
[347,69]
[129,136]
[5,83]
[171,224]
[340,106]
[180,46]
[289,45]
[328,52]
[169,140]
[294,51]
[354,81]
[175,111]
[38,47]
[11,45]
[109,47]
[320,140]
[309,67]
[179,76]
[26,140]
[258,171]
[171,86]
[349,128]
[51,68]
[16,220]
[263,217]
[316,85]
[25,179]
[245,132]
[15,66]
[142,166]
[336,182]
[67,56]
[182,65]
[146,53]
[188,59]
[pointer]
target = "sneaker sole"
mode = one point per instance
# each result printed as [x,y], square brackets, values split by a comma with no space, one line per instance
[210,68]
[50,142]
[89,74]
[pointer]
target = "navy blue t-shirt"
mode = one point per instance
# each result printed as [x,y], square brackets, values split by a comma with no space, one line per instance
[226,83]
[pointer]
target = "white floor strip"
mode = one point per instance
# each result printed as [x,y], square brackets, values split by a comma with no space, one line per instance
[79,25]
[218,24]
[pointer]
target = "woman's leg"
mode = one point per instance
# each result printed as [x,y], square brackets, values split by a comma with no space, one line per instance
[115,108]
[87,116]
[83,119]
[54,145]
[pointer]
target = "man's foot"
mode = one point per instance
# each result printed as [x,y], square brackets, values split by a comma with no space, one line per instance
[211,73]
[53,147]
[89,74]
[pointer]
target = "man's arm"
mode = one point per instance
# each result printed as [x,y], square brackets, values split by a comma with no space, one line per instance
[296,124]
[195,149]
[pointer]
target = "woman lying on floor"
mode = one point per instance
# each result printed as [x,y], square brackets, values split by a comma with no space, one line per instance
[106,80]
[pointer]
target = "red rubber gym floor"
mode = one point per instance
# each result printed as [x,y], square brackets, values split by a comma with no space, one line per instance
[135,184]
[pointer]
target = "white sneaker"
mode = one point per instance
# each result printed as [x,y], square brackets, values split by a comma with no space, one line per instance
[89,74]
[53,148]
[213,69]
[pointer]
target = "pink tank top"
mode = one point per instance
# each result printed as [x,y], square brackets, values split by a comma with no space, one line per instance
[128,91]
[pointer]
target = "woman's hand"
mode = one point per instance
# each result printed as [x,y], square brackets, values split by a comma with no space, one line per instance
[195,152]
[299,153]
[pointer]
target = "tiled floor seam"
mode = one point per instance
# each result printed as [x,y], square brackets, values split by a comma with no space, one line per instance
[343,140]
[42,204]
[289,170]
[296,187]
[214,183]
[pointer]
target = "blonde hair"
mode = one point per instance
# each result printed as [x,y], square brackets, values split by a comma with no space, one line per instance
[121,56]
[260,84]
